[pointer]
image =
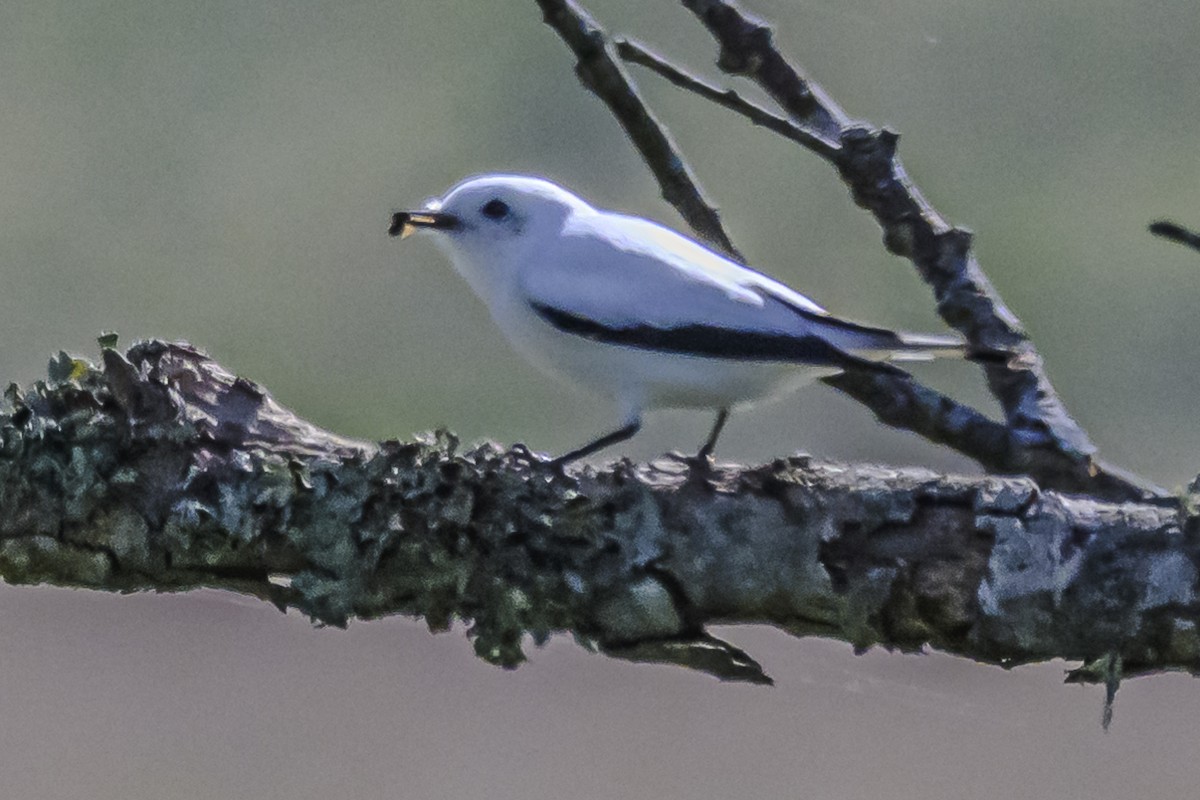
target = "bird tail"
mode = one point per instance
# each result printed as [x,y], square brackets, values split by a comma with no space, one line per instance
[929,346]
[925,347]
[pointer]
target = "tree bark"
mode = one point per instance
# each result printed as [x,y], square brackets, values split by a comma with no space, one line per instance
[159,470]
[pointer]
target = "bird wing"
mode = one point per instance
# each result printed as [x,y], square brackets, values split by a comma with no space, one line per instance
[627,281]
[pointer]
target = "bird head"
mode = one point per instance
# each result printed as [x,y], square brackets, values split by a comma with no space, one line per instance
[490,224]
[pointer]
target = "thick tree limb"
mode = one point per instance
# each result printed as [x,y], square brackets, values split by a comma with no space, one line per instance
[160,470]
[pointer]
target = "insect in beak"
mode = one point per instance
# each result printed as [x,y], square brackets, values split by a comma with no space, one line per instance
[406,223]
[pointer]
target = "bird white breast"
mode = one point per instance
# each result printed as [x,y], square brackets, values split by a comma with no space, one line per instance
[640,378]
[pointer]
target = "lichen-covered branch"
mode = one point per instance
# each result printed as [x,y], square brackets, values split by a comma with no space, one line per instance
[159,470]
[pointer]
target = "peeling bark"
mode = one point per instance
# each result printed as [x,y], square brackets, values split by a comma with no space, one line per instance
[159,470]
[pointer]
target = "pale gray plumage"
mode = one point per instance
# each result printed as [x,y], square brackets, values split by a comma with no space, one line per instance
[637,312]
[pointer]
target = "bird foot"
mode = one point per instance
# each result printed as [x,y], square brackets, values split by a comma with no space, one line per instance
[521,454]
[698,466]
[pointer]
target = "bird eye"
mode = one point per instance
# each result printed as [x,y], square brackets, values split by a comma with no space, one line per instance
[495,209]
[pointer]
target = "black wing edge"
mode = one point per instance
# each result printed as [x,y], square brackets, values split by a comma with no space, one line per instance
[709,341]
[886,339]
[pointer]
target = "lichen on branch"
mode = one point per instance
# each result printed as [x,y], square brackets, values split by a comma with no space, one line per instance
[156,469]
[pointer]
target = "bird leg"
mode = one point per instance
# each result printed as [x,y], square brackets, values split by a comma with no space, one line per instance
[710,444]
[619,435]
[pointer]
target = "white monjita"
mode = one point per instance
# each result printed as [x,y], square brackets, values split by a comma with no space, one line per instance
[637,312]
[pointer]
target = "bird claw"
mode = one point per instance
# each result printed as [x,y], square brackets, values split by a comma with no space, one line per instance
[557,467]
[698,466]
[523,455]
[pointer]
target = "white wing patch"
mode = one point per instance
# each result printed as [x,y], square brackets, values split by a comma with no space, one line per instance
[621,270]
[690,258]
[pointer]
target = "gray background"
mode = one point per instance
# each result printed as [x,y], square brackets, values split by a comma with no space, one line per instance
[223,172]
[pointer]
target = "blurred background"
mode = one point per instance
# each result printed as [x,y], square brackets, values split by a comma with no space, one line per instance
[223,172]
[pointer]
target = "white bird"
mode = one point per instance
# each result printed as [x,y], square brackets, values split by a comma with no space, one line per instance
[639,313]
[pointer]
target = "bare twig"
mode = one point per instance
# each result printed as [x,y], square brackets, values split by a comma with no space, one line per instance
[746,49]
[911,406]
[899,402]
[912,228]
[159,470]
[1175,233]
[636,53]
[601,72]
[893,399]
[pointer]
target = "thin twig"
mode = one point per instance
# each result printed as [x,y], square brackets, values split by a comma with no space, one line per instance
[911,406]
[1175,233]
[600,71]
[637,53]
[747,49]
[912,228]
[897,401]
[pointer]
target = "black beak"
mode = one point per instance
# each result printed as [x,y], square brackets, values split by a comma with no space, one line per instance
[405,223]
